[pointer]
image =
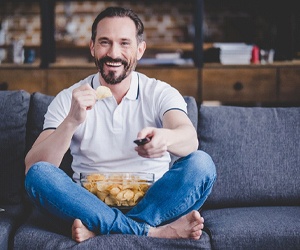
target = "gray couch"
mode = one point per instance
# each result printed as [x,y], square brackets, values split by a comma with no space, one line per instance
[255,203]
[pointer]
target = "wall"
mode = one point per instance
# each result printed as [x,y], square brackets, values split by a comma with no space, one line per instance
[165,22]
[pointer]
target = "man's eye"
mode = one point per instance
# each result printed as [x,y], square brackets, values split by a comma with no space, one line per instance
[125,43]
[104,42]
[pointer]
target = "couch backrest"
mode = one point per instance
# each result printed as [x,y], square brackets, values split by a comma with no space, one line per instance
[256,152]
[38,107]
[13,116]
[192,110]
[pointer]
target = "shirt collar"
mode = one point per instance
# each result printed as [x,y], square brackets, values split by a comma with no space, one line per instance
[95,81]
[133,92]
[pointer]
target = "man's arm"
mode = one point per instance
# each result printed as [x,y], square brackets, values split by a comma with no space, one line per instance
[178,136]
[181,134]
[51,145]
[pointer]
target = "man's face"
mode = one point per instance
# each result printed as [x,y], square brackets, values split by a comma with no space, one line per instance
[115,49]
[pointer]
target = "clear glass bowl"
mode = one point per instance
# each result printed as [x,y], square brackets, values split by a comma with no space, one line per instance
[122,190]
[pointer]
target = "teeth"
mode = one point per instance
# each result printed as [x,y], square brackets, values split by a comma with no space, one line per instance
[114,64]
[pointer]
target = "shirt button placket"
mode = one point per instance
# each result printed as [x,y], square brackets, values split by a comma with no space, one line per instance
[118,118]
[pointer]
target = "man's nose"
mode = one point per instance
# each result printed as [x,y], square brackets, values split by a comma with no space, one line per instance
[114,51]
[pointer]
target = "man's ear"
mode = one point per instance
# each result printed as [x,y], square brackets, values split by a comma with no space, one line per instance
[92,48]
[141,49]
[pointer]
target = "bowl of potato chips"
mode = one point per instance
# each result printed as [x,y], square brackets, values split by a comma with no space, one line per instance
[122,190]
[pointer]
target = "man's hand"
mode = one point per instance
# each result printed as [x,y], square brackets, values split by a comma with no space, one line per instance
[156,147]
[178,136]
[83,99]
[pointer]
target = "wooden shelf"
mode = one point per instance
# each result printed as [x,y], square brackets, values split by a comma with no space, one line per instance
[276,84]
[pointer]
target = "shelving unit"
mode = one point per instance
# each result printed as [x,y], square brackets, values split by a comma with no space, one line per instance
[276,84]
[49,46]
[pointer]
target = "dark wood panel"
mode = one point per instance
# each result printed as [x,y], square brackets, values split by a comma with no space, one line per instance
[31,80]
[289,90]
[240,85]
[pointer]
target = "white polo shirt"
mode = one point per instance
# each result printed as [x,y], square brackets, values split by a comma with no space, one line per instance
[104,142]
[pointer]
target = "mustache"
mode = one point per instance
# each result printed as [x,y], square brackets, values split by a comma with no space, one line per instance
[112,60]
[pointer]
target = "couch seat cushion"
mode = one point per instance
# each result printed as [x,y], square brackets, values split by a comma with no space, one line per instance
[10,220]
[254,228]
[14,106]
[43,232]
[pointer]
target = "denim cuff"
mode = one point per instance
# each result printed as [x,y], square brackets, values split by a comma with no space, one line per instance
[146,229]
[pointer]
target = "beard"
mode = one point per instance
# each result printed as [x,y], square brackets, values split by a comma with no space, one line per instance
[111,77]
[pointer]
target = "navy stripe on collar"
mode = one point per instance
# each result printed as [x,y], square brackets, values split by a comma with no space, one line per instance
[92,82]
[138,90]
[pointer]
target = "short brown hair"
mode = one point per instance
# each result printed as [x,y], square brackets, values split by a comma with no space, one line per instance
[119,12]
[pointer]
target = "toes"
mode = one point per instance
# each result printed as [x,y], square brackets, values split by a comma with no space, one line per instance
[202,220]
[195,215]
[198,227]
[196,235]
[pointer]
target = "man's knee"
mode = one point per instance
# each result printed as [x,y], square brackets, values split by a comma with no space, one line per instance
[41,173]
[38,170]
[201,164]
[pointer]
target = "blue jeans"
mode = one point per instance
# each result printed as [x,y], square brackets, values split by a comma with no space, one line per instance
[184,188]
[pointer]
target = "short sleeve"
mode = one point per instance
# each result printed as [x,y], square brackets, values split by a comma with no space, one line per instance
[57,110]
[169,98]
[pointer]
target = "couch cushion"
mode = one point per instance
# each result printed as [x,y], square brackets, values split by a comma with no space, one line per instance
[38,107]
[192,109]
[10,219]
[256,152]
[13,116]
[254,228]
[43,232]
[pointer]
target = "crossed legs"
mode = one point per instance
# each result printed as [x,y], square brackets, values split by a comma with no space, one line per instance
[169,209]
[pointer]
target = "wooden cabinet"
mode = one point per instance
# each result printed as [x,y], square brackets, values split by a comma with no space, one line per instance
[239,85]
[276,84]
[289,88]
[184,79]
[56,78]
[29,79]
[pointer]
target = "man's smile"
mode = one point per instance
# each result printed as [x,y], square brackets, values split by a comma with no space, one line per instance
[114,64]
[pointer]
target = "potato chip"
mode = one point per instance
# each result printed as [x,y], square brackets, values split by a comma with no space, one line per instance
[114,191]
[109,201]
[102,195]
[95,177]
[128,195]
[103,92]
[117,190]
[137,196]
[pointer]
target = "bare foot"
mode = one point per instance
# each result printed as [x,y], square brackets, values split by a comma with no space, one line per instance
[188,226]
[80,232]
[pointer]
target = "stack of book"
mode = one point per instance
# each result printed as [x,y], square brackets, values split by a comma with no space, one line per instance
[234,53]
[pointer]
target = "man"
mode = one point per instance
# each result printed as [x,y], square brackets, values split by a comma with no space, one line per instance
[100,135]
